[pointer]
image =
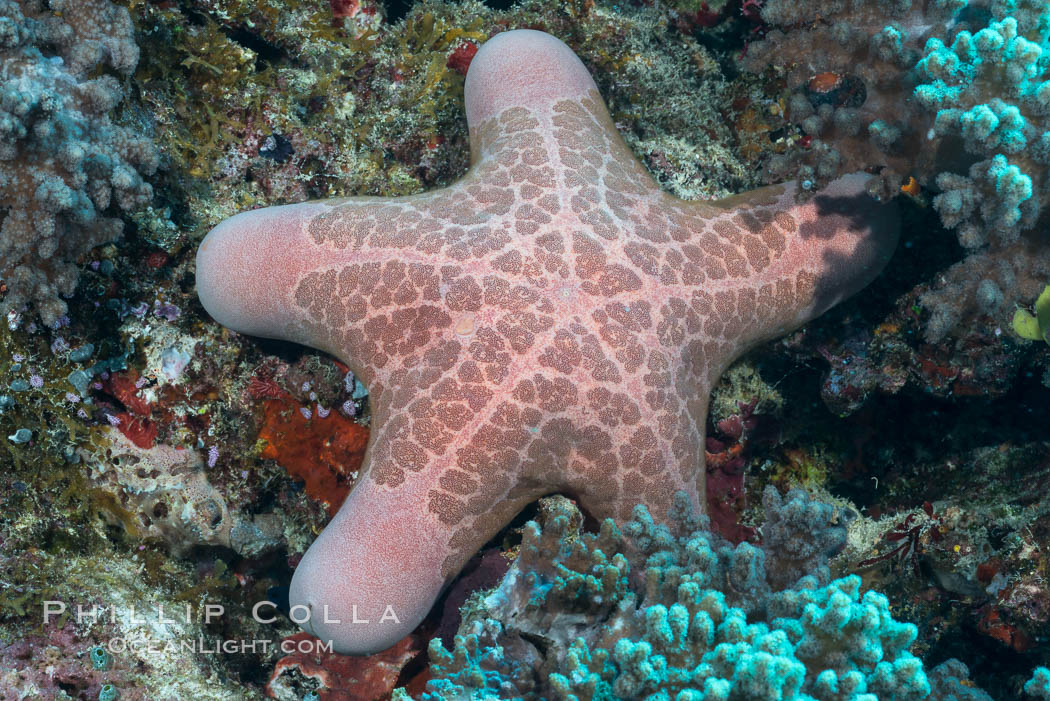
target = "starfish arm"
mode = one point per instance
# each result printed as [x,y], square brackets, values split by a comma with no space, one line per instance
[757,265]
[844,239]
[247,267]
[646,462]
[372,574]
[404,532]
[550,136]
[800,259]
[367,279]
[451,462]
[518,68]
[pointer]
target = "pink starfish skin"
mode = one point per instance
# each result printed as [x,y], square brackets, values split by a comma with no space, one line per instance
[553,321]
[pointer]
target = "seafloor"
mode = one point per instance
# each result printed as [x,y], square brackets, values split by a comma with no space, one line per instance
[152,458]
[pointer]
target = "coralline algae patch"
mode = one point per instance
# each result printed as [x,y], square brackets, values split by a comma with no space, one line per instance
[334,677]
[321,447]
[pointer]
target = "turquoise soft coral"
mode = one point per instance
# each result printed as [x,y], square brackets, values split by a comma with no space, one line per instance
[948,97]
[684,617]
[990,88]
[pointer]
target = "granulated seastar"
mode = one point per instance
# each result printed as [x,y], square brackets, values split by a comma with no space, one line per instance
[551,322]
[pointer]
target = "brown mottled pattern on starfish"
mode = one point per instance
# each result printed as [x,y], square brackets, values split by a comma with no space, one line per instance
[554,321]
[504,248]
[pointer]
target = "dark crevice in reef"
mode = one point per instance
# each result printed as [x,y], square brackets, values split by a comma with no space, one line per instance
[396,10]
[920,434]
[265,52]
[285,350]
[989,661]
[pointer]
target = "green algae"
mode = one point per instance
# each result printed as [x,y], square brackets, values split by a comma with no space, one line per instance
[1034,327]
[375,108]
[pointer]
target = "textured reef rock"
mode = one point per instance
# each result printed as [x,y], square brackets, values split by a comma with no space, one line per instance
[65,168]
[972,554]
[164,493]
[678,613]
[335,677]
[139,644]
[166,490]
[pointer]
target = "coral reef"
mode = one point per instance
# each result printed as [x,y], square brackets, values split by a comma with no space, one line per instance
[695,617]
[163,493]
[986,284]
[971,554]
[165,490]
[916,406]
[1039,685]
[115,497]
[65,168]
[294,433]
[323,104]
[131,610]
[947,95]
